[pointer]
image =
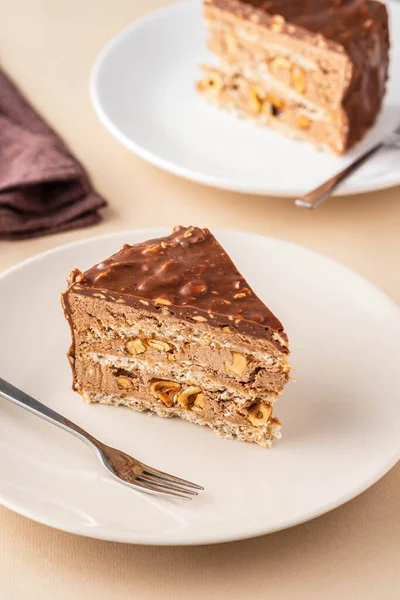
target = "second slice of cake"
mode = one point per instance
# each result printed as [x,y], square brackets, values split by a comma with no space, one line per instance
[171,326]
[314,69]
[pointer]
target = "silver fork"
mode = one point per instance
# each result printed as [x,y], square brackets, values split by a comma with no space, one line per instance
[121,466]
[322,192]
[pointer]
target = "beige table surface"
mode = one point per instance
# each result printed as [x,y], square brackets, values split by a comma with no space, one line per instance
[48,46]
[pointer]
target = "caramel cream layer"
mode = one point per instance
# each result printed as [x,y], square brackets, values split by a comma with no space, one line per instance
[237,94]
[262,434]
[147,373]
[317,80]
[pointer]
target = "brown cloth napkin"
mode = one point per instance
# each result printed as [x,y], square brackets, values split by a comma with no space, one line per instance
[43,188]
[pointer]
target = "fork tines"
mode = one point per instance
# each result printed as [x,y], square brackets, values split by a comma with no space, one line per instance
[169,485]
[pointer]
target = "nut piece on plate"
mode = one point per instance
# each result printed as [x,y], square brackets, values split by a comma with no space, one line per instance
[189,395]
[159,345]
[165,391]
[125,383]
[135,346]
[259,414]
[239,364]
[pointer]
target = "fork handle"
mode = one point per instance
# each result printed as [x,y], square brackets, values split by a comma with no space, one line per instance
[20,398]
[318,195]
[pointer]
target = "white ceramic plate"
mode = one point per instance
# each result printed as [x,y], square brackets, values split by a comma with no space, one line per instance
[341,419]
[142,88]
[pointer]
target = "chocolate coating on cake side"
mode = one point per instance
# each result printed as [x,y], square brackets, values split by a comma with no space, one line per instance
[187,273]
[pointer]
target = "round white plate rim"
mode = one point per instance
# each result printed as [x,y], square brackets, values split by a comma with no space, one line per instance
[109,535]
[180,171]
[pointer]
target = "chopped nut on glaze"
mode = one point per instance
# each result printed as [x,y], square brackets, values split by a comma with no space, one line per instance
[162,301]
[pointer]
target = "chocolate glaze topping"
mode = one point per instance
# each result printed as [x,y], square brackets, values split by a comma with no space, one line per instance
[336,20]
[187,273]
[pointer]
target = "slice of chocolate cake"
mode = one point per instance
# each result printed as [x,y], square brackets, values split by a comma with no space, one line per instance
[171,326]
[312,69]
